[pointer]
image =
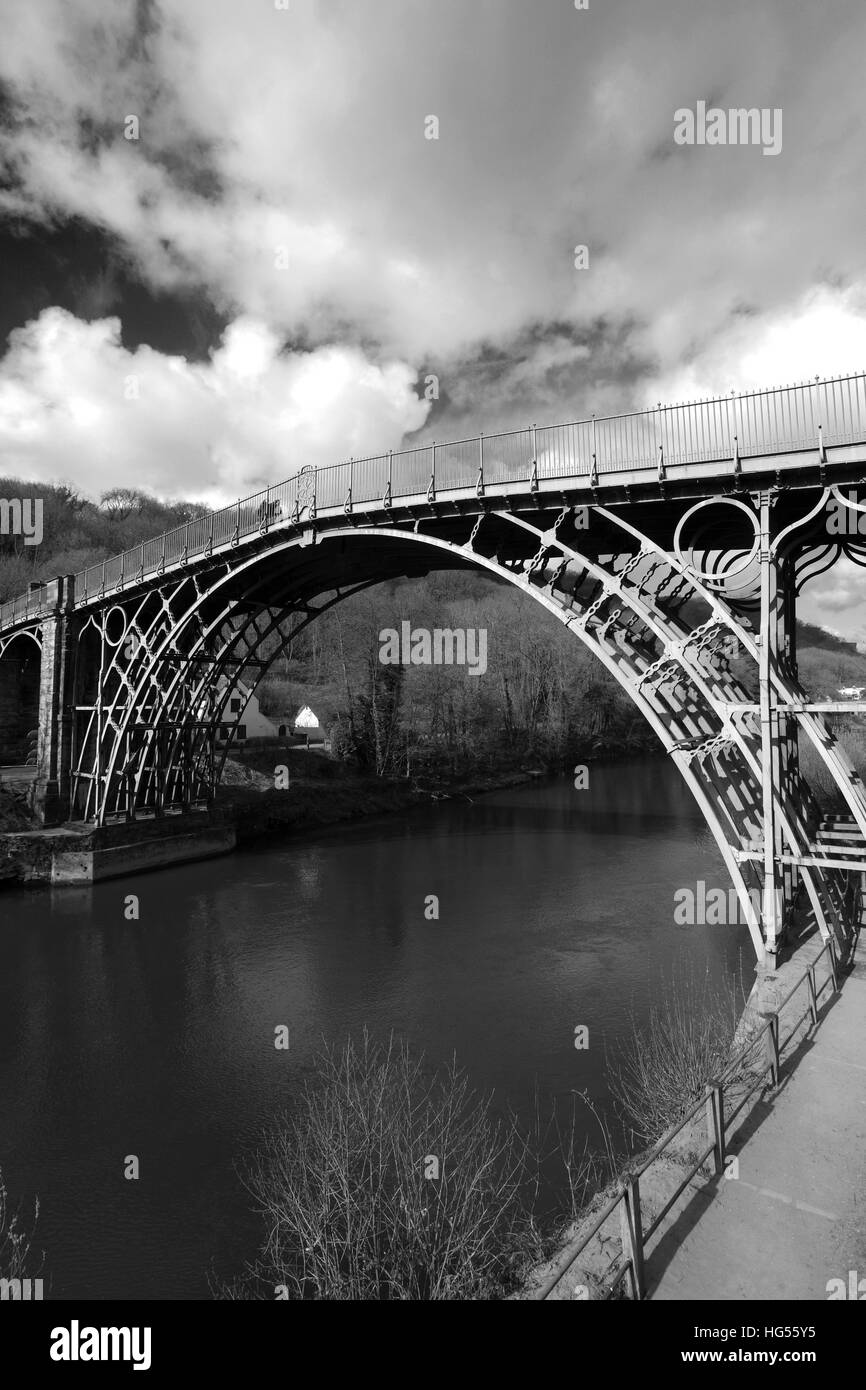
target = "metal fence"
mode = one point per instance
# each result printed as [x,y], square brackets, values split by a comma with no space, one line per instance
[781,420]
[629,1262]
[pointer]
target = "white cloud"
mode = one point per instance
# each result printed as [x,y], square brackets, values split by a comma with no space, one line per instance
[824,334]
[303,130]
[75,404]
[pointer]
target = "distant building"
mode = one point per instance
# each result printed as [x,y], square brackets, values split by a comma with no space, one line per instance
[305,719]
[241,717]
[304,725]
[852,692]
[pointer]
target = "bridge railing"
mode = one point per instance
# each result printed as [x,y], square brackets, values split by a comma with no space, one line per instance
[634,1235]
[779,420]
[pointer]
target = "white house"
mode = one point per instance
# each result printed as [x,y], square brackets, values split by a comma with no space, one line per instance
[852,692]
[305,725]
[241,716]
[305,719]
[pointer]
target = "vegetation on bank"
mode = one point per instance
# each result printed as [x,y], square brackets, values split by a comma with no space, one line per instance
[18,1260]
[662,1066]
[391,1180]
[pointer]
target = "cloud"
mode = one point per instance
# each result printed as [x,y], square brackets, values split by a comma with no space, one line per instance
[302,130]
[823,334]
[75,404]
[282,171]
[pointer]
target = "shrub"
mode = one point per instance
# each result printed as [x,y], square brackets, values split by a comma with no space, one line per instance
[16,1253]
[663,1067]
[351,1209]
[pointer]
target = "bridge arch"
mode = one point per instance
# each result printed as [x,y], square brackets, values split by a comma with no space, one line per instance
[20,682]
[164,659]
[672,724]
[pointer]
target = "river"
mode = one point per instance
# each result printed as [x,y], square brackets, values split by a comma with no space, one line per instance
[155,1037]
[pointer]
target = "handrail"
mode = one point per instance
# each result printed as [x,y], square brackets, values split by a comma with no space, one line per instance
[628,1192]
[806,415]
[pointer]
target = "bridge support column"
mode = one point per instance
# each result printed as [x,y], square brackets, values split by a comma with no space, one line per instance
[779,746]
[52,787]
[789,729]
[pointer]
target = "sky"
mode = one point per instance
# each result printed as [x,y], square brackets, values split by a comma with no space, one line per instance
[230,246]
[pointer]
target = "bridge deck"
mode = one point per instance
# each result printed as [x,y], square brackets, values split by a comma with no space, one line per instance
[799,431]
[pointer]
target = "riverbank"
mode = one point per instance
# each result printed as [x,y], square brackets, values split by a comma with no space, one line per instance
[322,792]
[264,792]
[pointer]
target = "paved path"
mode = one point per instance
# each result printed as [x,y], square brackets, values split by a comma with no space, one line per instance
[796,1217]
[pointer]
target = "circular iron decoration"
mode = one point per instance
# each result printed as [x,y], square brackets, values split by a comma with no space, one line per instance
[730,566]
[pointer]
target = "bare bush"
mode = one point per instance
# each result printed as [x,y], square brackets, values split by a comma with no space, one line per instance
[664,1065]
[17,1258]
[389,1182]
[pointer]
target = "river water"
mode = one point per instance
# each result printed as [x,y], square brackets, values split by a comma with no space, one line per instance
[156,1037]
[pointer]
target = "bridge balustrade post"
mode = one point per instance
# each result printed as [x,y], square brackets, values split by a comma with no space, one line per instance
[51,790]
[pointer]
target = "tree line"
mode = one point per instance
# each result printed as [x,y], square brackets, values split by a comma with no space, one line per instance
[77,532]
[540,698]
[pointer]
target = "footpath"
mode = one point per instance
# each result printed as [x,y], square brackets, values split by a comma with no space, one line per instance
[795,1218]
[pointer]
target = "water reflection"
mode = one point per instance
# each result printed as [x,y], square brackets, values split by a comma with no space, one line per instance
[156,1037]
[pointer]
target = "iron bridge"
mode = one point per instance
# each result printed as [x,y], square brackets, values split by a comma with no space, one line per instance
[673,543]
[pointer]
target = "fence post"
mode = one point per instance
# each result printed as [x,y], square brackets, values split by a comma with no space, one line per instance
[772,1046]
[831,953]
[716,1123]
[631,1232]
[813,995]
